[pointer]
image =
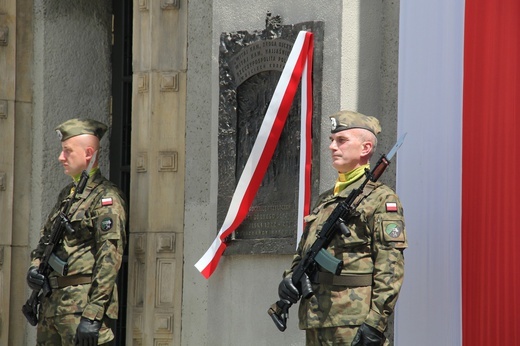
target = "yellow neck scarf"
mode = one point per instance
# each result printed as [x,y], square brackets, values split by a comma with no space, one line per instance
[345,179]
[90,174]
[76,179]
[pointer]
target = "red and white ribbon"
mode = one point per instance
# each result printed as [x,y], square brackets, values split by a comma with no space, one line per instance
[298,67]
[304,191]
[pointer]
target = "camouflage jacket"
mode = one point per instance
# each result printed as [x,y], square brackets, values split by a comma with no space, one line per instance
[375,248]
[98,216]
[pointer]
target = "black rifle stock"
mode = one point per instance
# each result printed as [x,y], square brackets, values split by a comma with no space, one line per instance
[318,254]
[61,223]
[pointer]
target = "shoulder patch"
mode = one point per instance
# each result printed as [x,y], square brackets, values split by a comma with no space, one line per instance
[391,207]
[393,231]
[107,201]
[106,223]
[108,227]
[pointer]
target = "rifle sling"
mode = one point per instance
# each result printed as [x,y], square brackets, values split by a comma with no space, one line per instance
[367,190]
[349,280]
[64,281]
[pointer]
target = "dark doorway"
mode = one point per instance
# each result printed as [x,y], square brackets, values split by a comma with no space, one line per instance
[121,132]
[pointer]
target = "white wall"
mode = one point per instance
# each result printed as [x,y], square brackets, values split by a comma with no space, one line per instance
[430,168]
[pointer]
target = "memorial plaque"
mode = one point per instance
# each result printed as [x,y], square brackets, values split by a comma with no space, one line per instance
[250,66]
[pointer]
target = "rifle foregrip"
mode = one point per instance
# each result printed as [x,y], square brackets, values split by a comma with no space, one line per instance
[380,168]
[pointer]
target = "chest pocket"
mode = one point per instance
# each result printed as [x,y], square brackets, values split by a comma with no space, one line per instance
[359,233]
[355,224]
[309,219]
[82,223]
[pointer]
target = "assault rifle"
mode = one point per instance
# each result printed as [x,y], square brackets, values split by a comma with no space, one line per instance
[49,260]
[317,254]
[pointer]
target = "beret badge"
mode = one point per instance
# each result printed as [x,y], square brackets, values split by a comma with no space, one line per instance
[333,123]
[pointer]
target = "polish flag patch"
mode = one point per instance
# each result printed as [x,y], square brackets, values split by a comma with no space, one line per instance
[391,206]
[106,201]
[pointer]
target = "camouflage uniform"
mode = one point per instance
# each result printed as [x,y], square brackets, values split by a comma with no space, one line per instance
[374,248]
[94,250]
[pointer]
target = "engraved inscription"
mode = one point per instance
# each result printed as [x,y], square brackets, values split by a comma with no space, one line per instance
[260,57]
[276,221]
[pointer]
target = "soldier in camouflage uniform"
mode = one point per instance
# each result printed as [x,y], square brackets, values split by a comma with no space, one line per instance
[84,300]
[353,308]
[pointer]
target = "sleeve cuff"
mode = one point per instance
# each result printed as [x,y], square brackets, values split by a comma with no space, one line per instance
[377,321]
[93,312]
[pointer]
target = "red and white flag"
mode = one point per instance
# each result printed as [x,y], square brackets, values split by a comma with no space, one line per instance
[298,67]
[457,175]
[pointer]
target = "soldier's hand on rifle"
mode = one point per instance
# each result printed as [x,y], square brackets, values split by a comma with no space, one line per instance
[35,280]
[87,333]
[368,336]
[287,290]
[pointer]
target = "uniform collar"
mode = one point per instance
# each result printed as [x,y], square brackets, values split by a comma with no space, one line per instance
[345,179]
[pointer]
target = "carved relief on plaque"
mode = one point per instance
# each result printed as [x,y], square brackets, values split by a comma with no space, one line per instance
[250,66]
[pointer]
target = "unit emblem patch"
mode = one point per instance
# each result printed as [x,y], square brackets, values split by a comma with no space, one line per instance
[393,230]
[106,224]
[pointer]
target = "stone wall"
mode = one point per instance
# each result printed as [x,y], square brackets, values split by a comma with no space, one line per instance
[359,72]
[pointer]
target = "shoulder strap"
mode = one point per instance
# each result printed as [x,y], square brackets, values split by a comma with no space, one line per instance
[367,190]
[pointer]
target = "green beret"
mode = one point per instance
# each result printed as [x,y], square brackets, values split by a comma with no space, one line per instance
[76,127]
[345,120]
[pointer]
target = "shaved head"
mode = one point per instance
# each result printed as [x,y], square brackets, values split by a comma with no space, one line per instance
[76,153]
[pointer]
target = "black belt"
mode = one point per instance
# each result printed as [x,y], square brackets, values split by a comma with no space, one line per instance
[64,281]
[349,280]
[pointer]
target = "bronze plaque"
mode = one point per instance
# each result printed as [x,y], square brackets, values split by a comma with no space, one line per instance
[250,66]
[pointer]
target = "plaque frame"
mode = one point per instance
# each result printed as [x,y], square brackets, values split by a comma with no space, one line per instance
[243,57]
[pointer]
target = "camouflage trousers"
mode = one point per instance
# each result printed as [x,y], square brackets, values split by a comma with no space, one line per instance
[61,331]
[333,336]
